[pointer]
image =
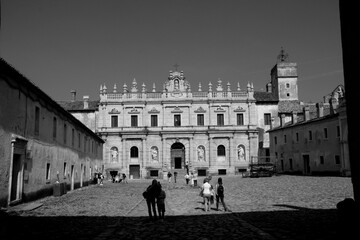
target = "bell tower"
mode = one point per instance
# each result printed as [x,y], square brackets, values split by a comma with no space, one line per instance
[284,78]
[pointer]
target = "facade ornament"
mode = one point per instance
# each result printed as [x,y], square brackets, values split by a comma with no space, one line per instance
[228,87]
[143,88]
[104,89]
[153,90]
[101,89]
[210,87]
[115,91]
[125,90]
[199,88]
[219,87]
[134,86]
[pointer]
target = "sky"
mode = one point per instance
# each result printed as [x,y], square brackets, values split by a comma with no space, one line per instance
[61,45]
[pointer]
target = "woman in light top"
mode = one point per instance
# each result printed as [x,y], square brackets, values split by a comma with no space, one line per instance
[206,190]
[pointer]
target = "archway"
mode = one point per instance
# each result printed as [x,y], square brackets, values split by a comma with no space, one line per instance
[177,156]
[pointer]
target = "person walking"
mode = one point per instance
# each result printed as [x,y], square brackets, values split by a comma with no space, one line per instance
[187,178]
[151,193]
[206,193]
[219,191]
[124,178]
[169,175]
[161,202]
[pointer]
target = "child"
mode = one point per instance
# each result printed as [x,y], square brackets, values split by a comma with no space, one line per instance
[219,191]
[187,178]
[161,202]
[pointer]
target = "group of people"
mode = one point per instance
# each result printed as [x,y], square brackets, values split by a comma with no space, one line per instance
[191,178]
[208,192]
[119,178]
[155,196]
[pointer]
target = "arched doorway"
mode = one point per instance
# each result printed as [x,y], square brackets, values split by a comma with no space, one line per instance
[177,156]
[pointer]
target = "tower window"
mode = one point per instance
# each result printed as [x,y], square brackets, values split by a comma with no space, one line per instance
[177,120]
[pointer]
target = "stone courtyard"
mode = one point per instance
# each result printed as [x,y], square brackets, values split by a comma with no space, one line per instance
[278,207]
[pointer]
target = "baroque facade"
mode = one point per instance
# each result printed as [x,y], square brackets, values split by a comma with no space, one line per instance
[212,129]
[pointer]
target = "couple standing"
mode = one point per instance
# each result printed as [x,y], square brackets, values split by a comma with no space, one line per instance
[154,194]
[208,192]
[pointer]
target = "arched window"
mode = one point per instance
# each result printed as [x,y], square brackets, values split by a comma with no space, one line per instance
[221,150]
[134,152]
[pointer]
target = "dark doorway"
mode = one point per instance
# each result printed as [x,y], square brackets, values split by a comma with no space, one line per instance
[135,171]
[177,156]
[306,159]
[178,163]
[16,178]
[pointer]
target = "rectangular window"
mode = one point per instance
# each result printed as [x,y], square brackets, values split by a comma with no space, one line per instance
[310,135]
[325,133]
[114,121]
[177,120]
[200,119]
[154,120]
[73,137]
[37,120]
[267,118]
[284,138]
[54,127]
[240,119]
[79,138]
[297,137]
[337,159]
[134,120]
[220,119]
[65,170]
[65,133]
[275,140]
[48,172]
[291,164]
[338,131]
[322,161]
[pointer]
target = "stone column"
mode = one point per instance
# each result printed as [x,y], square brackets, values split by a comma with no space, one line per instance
[124,160]
[231,151]
[191,149]
[209,151]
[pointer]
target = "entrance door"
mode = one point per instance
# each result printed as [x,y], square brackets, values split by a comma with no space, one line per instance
[177,155]
[178,163]
[16,178]
[306,159]
[135,171]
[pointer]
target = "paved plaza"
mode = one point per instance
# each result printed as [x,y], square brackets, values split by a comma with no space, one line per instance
[278,207]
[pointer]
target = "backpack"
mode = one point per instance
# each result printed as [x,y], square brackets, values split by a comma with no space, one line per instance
[220,190]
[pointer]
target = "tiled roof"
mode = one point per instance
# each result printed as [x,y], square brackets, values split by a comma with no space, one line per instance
[264,97]
[78,105]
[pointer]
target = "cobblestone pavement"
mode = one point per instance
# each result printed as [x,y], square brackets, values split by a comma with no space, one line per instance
[278,207]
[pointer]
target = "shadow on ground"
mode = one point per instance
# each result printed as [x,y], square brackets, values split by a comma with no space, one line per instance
[300,223]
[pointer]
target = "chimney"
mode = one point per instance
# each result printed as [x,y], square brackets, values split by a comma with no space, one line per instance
[86,102]
[333,105]
[282,120]
[268,87]
[320,109]
[73,95]
[294,117]
[272,125]
[306,113]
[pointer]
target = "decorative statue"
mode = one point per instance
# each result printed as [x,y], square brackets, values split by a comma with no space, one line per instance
[241,153]
[114,155]
[201,153]
[154,153]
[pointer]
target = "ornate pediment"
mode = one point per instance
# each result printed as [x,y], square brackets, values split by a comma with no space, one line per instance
[134,111]
[239,109]
[114,111]
[154,110]
[219,109]
[200,110]
[176,110]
